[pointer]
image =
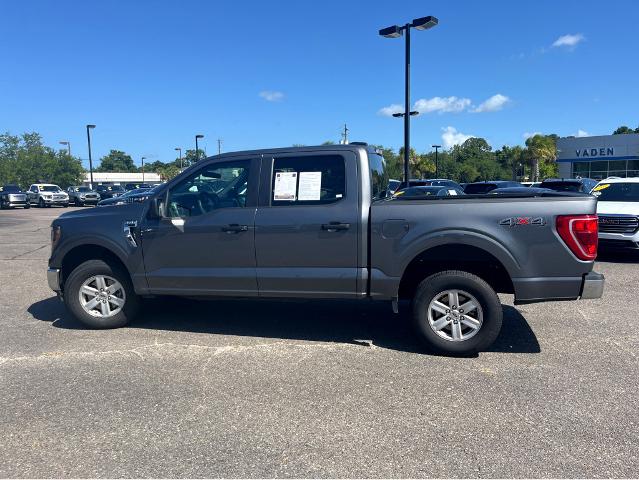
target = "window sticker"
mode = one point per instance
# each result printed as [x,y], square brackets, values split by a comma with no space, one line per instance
[603,186]
[452,192]
[285,186]
[310,186]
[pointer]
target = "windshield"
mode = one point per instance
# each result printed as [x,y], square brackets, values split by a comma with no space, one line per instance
[562,186]
[10,188]
[479,188]
[617,192]
[48,188]
[84,189]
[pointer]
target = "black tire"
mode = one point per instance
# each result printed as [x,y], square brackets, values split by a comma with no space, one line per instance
[28,205]
[65,205]
[40,203]
[98,267]
[434,285]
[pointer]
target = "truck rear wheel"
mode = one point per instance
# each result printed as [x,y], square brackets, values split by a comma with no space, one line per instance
[456,312]
[101,295]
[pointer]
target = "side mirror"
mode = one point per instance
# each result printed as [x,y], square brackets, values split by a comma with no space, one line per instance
[156,207]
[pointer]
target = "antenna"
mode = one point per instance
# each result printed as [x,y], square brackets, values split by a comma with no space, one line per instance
[219,146]
[345,135]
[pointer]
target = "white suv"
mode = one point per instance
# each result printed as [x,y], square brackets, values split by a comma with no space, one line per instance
[618,210]
[47,194]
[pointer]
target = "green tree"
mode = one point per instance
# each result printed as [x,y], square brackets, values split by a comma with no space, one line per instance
[116,161]
[25,160]
[624,130]
[541,152]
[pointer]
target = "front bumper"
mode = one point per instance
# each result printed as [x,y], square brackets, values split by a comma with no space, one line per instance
[53,278]
[56,201]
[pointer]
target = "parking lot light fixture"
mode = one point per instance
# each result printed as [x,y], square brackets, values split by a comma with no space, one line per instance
[68,145]
[197,148]
[89,128]
[395,31]
[143,158]
[425,23]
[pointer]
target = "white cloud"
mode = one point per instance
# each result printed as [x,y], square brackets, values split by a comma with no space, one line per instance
[493,104]
[388,111]
[271,95]
[441,104]
[452,137]
[569,41]
[527,135]
[582,133]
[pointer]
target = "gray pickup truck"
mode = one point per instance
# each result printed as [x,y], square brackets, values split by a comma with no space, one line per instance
[316,222]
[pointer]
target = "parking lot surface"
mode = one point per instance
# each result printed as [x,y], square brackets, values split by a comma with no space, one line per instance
[296,389]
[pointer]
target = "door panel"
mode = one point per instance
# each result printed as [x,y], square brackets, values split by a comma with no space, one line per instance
[207,245]
[309,247]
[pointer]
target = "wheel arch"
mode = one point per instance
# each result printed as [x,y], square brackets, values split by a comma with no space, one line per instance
[455,256]
[91,251]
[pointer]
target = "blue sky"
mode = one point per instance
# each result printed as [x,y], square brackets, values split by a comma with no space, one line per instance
[151,75]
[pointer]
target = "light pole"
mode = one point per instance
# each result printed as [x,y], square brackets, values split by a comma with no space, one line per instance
[178,149]
[396,31]
[89,127]
[436,147]
[68,144]
[197,149]
[143,158]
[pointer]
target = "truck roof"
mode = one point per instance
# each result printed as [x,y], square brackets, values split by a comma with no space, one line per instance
[307,148]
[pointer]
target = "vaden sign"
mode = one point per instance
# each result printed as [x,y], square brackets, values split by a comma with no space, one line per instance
[595,152]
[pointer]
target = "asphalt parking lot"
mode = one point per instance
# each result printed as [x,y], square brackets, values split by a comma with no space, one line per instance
[297,389]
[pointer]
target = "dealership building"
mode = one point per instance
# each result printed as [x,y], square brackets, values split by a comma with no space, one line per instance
[599,157]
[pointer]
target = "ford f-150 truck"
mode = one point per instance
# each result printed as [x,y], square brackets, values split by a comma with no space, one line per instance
[316,222]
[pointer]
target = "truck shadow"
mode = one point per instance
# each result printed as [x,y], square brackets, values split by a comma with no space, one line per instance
[360,323]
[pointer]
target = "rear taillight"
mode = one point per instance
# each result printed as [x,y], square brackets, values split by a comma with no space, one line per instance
[580,233]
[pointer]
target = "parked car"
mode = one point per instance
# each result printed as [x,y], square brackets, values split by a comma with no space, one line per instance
[109,191]
[81,196]
[47,194]
[315,222]
[134,186]
[481,188]
[531,192]
[583,185]
[618,211]
[427,182]
[121,199]
[437,191]
[13,196]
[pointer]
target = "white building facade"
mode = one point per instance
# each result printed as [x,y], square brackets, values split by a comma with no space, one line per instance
[120,178]
[599,157]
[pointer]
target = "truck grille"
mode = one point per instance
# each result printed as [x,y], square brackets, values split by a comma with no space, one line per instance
[618,224]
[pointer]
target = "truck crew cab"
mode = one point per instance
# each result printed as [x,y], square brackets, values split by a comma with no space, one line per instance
[316,222]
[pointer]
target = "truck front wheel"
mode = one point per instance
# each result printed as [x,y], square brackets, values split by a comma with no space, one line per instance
[101,295]
[456,312]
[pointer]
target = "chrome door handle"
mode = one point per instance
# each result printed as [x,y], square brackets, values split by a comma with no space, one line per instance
[234,228]
[335,226]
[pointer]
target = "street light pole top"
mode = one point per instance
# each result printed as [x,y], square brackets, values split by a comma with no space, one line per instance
[436,146]
[199,136]
[392,32]
[424,23]
[90,126]
[399,114]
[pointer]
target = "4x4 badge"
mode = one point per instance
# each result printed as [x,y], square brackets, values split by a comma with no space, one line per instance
[517,221]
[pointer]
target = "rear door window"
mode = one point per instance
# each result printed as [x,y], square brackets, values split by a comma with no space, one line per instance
[308,180]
